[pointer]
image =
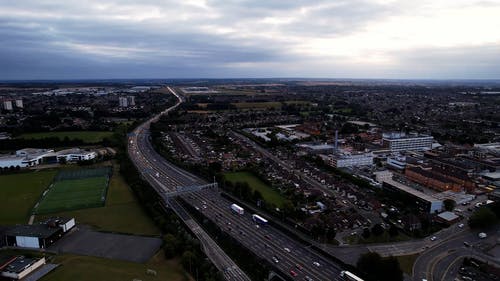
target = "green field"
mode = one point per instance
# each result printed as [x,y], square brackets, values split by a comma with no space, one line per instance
[258,105]
[18,194]
[86,136]
[84,268]
[121,213]
[406,263]
[268,193]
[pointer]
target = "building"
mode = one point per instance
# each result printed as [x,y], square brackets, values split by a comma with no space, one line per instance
[397,162]
[396,142]
[75,155]
[311,148]
[38,235]
[448,218]
[27,157]
[7,105]
[420,200]
[131,100]
[123,101]
[19,103]
[341,159]
[18,267]
[432,179]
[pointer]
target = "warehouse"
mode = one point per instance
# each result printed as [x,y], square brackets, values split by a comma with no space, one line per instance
[38,235]
[18,267]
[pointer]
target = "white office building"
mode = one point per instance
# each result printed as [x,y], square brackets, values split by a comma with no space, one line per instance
[19,103]
[7,105]
[401,142]
[75,155]
[123,101]
[341,159]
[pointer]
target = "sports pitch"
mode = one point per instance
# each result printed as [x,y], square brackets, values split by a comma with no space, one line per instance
[75,189]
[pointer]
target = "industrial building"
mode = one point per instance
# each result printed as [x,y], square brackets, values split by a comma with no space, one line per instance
[396,142]
[30,157]
[18,267]
[420,200]
[38,235]
[342,158]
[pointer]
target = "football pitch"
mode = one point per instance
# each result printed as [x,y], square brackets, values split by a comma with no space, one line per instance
[75,189]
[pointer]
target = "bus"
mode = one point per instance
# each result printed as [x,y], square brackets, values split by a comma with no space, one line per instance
[348,276]
[258,219]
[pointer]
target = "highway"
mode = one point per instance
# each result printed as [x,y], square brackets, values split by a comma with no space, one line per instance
[265,241]
[166,178]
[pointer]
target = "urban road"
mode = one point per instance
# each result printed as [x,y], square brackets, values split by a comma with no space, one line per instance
[265,242]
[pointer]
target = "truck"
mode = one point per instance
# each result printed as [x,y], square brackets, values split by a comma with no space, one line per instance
[237,209]
[258,219]
[348,276]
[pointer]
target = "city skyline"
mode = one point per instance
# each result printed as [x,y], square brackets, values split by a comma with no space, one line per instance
[214,39]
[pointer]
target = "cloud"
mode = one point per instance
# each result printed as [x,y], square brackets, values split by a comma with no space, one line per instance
[244,38]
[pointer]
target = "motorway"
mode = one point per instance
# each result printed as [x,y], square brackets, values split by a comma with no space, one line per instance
[265,241]
[166,178]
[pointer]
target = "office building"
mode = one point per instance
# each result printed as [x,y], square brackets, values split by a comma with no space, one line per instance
[123,101]
[341,159]
[396,142]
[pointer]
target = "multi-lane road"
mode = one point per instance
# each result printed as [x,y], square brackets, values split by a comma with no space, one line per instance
[265,242]
[167,178]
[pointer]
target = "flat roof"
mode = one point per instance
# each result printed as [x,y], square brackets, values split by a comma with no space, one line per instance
[35,230]
[19,264]
[410,190]
[448,216]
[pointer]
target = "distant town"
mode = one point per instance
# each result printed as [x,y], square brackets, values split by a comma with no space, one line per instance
[258,179]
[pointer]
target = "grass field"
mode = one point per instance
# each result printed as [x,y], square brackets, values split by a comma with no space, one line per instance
[86,136]
[74,194]
[384,238]
[269,194]
[121,213]
[83,268]
[257,105]
[406,263]
[18,194]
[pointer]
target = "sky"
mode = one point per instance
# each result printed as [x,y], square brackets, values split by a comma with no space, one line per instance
[395,39]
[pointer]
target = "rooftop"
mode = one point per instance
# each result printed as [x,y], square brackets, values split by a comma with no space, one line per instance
[35,230]
[19,264]
[448,216]
[410,190]
[401,135]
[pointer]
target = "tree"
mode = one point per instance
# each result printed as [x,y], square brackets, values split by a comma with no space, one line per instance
[393,230]
[482,218]
[377,230]
[377,268]
[449,204]
[366,233]
[170,244]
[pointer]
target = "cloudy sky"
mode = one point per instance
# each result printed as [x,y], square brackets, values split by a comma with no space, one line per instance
[70,39]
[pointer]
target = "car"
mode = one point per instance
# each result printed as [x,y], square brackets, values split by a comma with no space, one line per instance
[307,278]
[275,259]
[293,273]
[482,235]
[316,264]
[467,244]
[298,266]
[433,238]
[267,236]
[287,250]
[461,225]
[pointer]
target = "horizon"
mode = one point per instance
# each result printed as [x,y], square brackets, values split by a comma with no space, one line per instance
[361,39]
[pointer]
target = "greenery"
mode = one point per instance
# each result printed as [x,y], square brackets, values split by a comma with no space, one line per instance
[121,213]
[376,268]
[85,136]
[19,193]
[268,194]
[406,263]
[74,194]
[483,218]
[449,204]
[83,268]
